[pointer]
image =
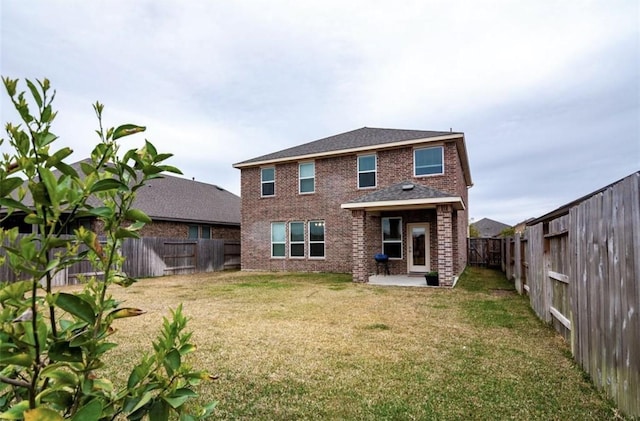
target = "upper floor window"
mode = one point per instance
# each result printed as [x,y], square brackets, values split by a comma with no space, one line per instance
[307,175]
[268,178]
[366,171]
[194,231]
[296,239]
[428,161]
[278,239]
[392,237]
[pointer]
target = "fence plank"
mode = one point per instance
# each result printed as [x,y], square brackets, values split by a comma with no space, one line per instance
[589,259]
[155,256]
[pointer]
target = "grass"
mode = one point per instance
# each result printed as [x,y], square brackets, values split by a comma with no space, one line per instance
[316,346]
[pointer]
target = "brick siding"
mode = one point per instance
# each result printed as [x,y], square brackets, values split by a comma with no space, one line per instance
[167,229]
[336,183]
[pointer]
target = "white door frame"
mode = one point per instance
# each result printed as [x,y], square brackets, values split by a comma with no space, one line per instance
[427,246]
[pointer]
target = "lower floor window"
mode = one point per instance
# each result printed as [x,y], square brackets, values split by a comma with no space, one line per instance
[278,238]
[316,239]
[392,237]
[296,239]
[298,243]
[194,231]
[199,231]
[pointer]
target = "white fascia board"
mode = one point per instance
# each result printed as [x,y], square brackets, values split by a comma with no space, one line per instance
[405,204]
[350,151]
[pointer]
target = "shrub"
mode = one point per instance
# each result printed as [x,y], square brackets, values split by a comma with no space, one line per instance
[52,343]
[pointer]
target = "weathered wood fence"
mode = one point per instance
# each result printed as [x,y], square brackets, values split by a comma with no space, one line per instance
[485,252]
[152,256]
[580,266]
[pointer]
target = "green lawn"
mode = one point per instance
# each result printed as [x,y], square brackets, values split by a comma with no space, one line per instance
[317,346]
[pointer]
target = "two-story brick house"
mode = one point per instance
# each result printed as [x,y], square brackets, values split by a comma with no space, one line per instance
[332,204]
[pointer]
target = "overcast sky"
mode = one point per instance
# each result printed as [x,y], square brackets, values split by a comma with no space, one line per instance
[546,92]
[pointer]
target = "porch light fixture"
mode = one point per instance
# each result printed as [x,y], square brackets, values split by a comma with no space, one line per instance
[406,187]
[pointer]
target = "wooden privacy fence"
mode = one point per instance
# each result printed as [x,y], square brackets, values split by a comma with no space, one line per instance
[153,256]
[580,267]
[486,252]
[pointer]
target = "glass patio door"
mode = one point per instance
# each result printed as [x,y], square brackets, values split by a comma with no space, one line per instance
[418,247]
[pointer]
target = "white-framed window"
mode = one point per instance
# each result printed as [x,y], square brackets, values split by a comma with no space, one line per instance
[307,176]
[278,239]
[268,181]
[392,237]
[367,167]
[428,161]
[316,239]
[296,239]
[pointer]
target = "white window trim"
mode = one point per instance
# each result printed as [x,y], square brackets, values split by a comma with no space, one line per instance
[375,171]
[303,242]
[262,182]
[300,178]
[400,241]
[423,148]
[323,242]
[271,242]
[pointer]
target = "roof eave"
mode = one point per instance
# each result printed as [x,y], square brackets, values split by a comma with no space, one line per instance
[193,221]
[464,159]
[409,204]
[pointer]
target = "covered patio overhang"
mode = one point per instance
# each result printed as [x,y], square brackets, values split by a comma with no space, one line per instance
[405,196]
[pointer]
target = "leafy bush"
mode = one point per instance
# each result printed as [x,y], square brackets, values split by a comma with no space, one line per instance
[52,343]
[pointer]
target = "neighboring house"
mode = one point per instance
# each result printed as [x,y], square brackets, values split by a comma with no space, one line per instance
[179,208]
[332,204]
[488,228]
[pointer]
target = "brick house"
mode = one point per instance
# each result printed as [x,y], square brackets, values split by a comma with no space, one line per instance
[332,204]
[179,208]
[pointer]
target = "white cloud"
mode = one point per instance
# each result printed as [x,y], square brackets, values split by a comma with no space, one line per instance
[220,82]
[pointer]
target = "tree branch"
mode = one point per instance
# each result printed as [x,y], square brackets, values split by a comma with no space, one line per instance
[14,382]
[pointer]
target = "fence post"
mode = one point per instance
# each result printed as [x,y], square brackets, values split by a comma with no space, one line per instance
[517,262]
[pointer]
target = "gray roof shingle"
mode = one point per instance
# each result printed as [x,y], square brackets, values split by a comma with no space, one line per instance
[359,138]
[400,192]
[488,228]
[178,199]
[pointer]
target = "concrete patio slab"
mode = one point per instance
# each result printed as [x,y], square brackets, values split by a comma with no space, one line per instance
[399,280]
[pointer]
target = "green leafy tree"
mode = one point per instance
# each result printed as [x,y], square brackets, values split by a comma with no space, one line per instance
[53,344]
[473,231]
[508,232]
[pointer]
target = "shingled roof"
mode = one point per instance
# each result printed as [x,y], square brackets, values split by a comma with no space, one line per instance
[178,199]
[406,193]
[488,228]
[361,138]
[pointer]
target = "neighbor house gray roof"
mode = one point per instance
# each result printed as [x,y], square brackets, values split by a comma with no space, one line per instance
[488,228]
[178,199]
[171,198]
[360,138]
[405,194]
